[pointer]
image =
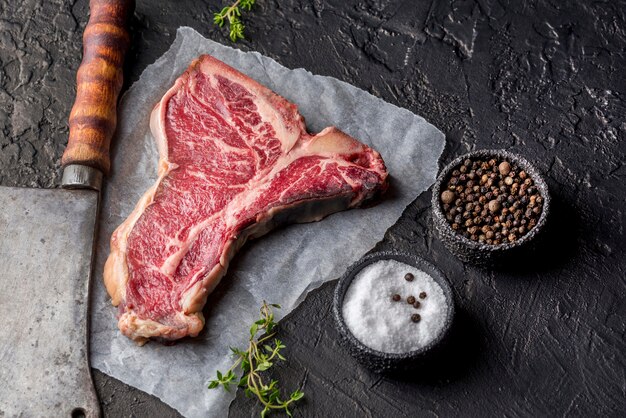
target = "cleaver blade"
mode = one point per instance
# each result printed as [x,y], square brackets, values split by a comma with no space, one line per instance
[46,250]
[47,243]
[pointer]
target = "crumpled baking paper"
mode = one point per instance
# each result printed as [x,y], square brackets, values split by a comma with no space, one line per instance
[280,267]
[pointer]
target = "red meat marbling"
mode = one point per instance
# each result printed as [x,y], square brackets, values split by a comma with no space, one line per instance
[235,161]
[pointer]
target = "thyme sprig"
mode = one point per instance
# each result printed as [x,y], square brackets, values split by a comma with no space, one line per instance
[232,15]
[260,356]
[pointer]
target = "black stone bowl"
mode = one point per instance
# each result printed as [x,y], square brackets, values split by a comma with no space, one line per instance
[378,361]
[483,254]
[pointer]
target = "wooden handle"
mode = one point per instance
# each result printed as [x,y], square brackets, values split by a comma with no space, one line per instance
[98,84]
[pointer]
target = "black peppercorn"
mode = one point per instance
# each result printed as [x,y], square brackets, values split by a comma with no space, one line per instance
[416,317]
[422,295]
[396,297]
[447,197]
[494,206]
[494,194]
[409,277]
[410,300]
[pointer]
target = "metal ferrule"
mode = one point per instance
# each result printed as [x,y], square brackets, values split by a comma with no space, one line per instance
[76,176]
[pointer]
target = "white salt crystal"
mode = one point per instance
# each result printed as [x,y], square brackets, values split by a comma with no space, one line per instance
[385,325]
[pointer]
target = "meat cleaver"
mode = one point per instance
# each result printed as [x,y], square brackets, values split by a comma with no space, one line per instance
[47,243]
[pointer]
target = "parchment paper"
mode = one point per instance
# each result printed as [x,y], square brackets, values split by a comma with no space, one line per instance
[280,267]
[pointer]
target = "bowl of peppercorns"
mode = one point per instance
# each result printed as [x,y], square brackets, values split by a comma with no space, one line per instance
[489,205]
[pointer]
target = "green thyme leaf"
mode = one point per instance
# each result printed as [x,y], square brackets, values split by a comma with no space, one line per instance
[259,357]
[253,329]
[264,366]
[296,395]
[232,14]
[247,4]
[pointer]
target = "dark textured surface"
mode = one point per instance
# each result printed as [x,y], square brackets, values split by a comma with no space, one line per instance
[543,78]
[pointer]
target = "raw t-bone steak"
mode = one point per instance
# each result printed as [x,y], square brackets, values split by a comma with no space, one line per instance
[235,161]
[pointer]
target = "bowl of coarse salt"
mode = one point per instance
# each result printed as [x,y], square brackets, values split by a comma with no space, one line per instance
[392,309]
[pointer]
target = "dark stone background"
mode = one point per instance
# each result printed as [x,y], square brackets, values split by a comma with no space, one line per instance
[542,78]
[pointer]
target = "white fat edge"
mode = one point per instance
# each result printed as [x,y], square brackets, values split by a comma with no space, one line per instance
[157,119]
[141,330]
